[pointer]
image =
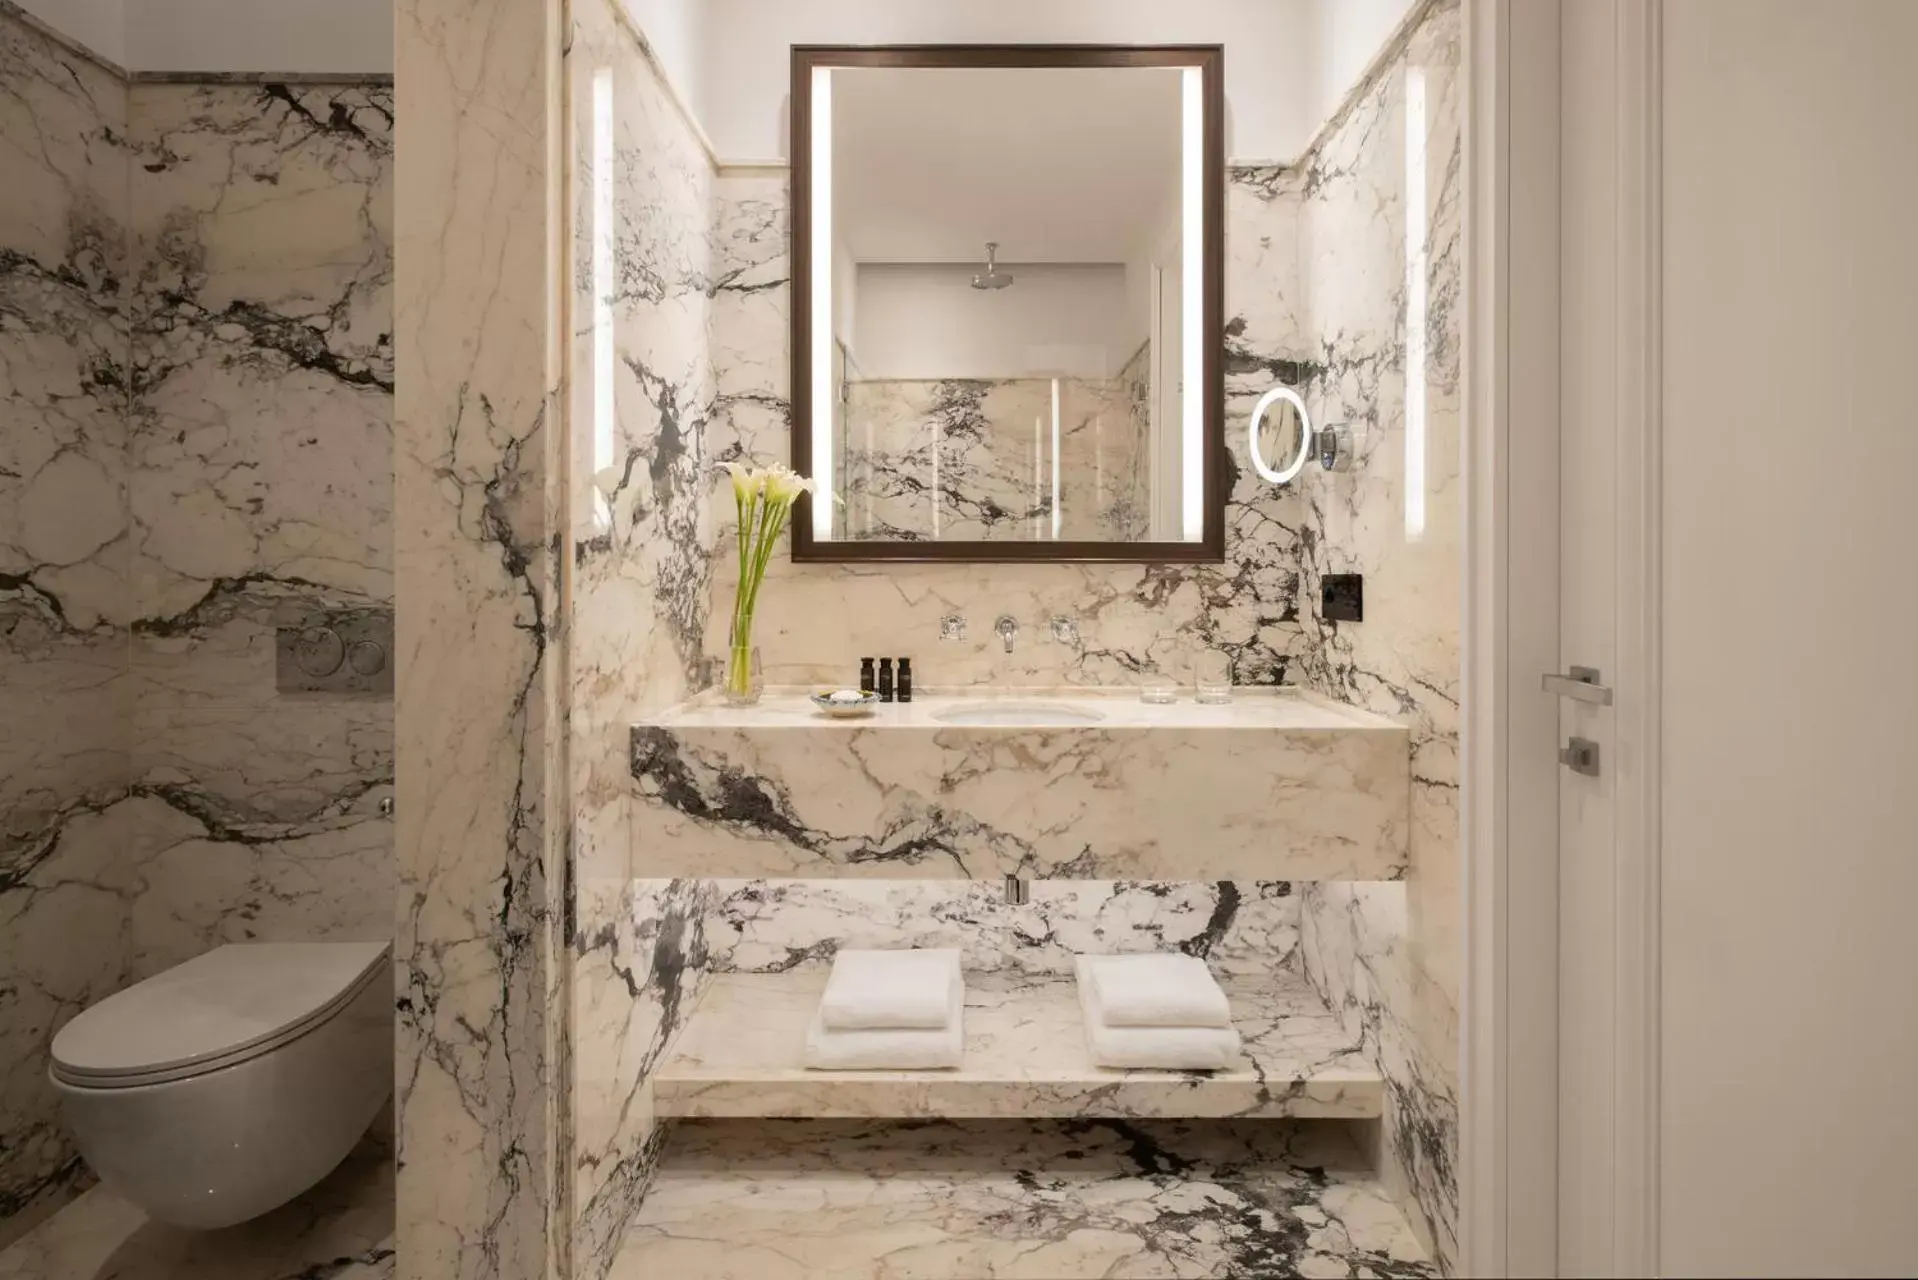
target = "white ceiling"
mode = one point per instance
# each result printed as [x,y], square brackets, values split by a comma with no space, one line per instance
[1057,165]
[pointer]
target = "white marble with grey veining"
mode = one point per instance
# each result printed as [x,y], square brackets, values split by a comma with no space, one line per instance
[481,706]
[773,926]
[1272,786]
[64,315]
[1390,956]
[1058,1200]
[742,1054]
[641,484]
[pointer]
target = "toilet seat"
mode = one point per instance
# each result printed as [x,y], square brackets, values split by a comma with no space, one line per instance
[231,1005]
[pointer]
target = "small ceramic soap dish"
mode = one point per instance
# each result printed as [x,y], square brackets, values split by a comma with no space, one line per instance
[844,704]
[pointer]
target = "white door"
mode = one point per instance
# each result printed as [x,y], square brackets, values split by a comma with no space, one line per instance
[1589,434]
[1737,553]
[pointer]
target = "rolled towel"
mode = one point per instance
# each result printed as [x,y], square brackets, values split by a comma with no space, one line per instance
[1154,1048]
[1157,991]
[889,1049]
[892,990]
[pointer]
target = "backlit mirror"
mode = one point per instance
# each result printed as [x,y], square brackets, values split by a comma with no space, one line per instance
[1007,312]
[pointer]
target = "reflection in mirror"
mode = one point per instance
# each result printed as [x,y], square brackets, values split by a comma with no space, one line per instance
[1007,270]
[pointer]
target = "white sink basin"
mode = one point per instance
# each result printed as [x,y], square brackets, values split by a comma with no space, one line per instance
[996,713]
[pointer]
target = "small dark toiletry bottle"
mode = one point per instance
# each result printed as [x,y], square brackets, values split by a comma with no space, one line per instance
[905,679]
[885,679]
[865,675]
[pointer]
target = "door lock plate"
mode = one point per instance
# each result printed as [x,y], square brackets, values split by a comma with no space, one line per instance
[1580,755]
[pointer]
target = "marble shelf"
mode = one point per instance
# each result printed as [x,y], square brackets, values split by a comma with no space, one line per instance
[1278,784]
[739,1056]
[1006,1200]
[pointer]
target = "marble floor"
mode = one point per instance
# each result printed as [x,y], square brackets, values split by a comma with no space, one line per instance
[997,1200]
[340,1230]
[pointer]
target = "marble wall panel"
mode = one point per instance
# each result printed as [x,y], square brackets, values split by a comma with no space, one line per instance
[260,487]
[643,484]
[1380,261]
[63,604]
[772,926]
[481,708]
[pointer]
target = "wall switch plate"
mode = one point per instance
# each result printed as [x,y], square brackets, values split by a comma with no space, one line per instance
[1342,597]
[341,651]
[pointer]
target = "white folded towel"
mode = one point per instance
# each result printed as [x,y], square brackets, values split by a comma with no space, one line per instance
[892,990]
[1160,1048]
[1158,991]
[889,1049]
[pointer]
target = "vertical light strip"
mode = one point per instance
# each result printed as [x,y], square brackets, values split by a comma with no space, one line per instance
[823,407]
[938,497]
[1057,511]
[1038,477]
[1416,272]
[603,405]
[1192,287]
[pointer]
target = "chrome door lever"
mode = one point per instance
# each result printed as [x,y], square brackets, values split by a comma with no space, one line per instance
[1581,684]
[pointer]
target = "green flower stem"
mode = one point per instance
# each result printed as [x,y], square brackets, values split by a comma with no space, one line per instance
[761,522]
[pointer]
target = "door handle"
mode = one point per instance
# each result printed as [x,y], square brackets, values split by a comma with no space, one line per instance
[1580,684]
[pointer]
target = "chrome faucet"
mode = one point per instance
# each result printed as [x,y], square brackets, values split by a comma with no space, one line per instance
[1008,629]
[1064,629]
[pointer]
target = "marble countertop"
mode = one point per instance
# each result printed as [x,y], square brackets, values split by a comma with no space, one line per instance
[1283,709]
[740,1056]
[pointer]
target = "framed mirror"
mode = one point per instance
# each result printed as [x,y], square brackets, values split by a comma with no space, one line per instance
[1008,319]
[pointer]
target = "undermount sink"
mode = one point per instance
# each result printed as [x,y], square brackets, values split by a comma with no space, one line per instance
[1020,713]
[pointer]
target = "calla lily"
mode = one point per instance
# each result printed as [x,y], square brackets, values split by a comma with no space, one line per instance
[765,498]
[784,485]
[747,483]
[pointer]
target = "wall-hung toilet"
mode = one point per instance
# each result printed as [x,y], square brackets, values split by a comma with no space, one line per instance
[227,1085]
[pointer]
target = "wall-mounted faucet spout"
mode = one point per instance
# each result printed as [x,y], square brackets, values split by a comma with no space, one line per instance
[1008,629]
[1017,891]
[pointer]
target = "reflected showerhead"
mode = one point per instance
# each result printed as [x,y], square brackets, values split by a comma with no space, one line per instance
[991,277]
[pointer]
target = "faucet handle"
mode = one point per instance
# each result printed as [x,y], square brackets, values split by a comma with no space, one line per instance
[952,627]
[1007,628]
[1065,630]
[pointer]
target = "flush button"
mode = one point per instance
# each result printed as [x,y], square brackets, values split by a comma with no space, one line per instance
[366,657]
[340,652]
[319,651]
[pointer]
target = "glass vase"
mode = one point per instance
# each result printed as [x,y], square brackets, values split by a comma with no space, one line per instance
[745,678]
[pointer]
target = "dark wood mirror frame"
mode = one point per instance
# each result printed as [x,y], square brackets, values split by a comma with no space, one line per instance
[1210,59]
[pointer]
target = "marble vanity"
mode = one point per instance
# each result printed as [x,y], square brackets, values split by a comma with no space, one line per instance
[1042,784]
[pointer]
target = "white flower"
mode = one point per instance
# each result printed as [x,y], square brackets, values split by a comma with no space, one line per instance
[784,485]
[747,483]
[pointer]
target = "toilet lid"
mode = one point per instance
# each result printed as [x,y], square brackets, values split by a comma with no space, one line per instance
[230,1004]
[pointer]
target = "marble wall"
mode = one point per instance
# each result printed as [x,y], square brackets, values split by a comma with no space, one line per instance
[259,485]
[64,607]
[771,926]
[481,704]
[194,345]
[643,281]
[1380,265]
